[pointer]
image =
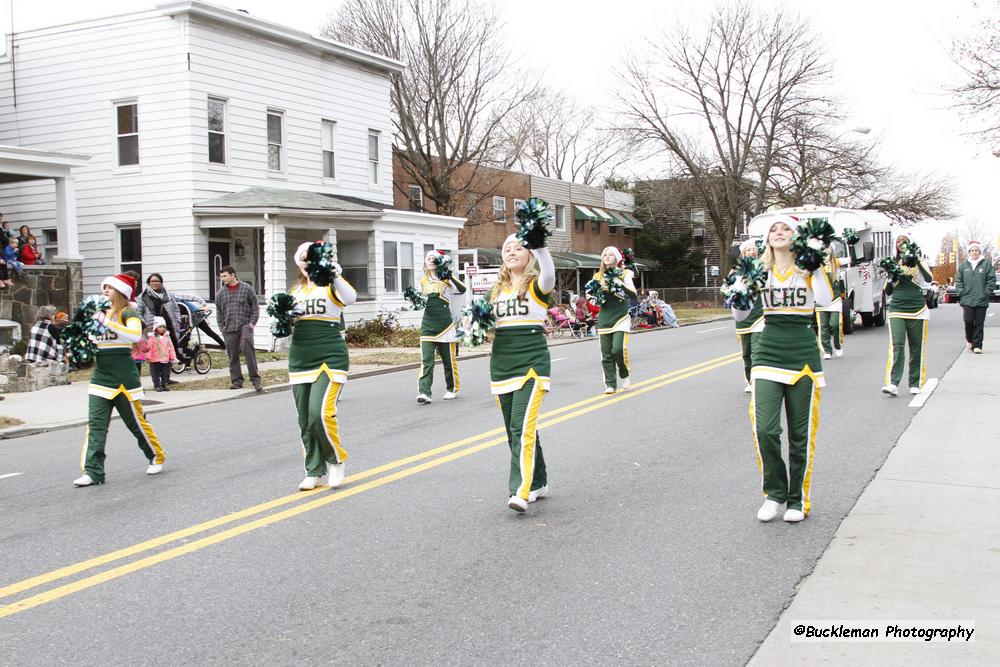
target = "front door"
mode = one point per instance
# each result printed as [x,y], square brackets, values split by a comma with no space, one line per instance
[218,257]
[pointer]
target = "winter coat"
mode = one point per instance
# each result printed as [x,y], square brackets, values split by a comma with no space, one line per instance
[975,285]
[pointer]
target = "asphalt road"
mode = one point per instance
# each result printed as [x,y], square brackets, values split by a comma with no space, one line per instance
[646,552]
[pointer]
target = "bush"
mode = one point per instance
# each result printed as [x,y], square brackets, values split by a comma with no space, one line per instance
[382,331]
[20,346]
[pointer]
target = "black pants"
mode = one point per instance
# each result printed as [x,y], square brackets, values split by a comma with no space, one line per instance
[207,330]
[160,374]
[975,317]
[172,331]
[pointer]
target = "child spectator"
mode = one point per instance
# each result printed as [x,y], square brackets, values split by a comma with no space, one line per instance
[139,355]
[10,256]
[30,254]
[160,354]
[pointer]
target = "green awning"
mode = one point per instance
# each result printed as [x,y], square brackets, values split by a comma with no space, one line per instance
[563,259]
[635,223]
[584,213]
[619,220]
[602,214]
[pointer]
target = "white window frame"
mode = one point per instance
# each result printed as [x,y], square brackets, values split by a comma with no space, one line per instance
[119,259]
[513,213]
[500,214]
[387,267]
[698,217]
[418,200]
[374,159]
[343,259]
[48,241]
[328,144]
[560,217]
[282,153]
[405,255]
[118,135]
[225,136]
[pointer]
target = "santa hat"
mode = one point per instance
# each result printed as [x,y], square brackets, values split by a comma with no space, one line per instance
[435,254]
[159,322]
[975,244]
[300,254]
[788,220]
[615,251]
[121,283]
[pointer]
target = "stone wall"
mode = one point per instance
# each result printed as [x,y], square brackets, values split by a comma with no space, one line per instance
[17,375]
[59,285]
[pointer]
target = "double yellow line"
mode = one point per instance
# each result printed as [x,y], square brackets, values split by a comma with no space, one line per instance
[445,454]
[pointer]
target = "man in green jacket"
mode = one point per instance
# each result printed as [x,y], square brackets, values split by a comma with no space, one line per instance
[975,280]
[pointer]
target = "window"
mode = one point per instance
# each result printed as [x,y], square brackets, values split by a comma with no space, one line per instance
[579,226]
[405,265]
[698,218]
[416,196]
[329,141]
[374,167]
[130,250]
[627,231]
[612,230]
[517,202]
[500,209]
[49,243]
[216,131]
[275,140]
[560,218]
[428,247]
[353,258]
[390,265]
[127,130]
[595,226]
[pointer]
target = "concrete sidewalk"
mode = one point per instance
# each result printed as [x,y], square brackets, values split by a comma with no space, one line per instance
[923,541]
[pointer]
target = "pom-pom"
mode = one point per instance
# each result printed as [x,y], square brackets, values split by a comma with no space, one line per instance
[478,320]
[744,283]
[78,336]
[761,247]
[594,291]
[417,300]
[628,259]
[321,267]
[811,243]
[909,254]
[851,236]
[891,267]
[442,267]
[532,217]
[613,282]
[282,310]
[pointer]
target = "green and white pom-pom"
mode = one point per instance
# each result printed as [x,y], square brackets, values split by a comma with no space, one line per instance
[628,259]
[761,247]
[851,236]
[533,216]
[417,300]
[479,321]
[743,285]
[891,267]
[595,292]
[321,267]
[909,254]
[282,311]
[613,280]
[811,243]
[442,266]
[77,337]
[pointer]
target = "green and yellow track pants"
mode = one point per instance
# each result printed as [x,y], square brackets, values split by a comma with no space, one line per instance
[520,411]
[99,408]
[449,359]
[316,404]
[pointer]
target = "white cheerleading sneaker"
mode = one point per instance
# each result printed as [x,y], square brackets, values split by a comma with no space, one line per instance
[837,352]
[826,356]
[793,516]
[423,399]
[518,504]
[914,390]
[538,493]
[335,472]
[626,383]
[449,395]
[85,480]
[310,483]
[154,469]
[890,389]
[747,389]
[609,390]
[768,511]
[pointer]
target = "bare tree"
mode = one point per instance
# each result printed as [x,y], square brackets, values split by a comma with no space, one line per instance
[978,93]
[451,101]
[737,83]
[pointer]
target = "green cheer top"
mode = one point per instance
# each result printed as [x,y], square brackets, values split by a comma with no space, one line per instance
[908,300]
[437,325]
[754,323]
[613,315]
[318,346]
[114,369]
[837,305]
[520,351]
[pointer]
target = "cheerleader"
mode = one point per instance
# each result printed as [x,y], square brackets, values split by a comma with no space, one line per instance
[614,324]
[831,334]
[748,330]
[437,330]
[520,362]
[787,374]
[317,371]
[908,318]
[115,384]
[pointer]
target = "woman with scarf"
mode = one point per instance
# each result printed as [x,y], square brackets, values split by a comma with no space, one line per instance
[975,280]
[155,301]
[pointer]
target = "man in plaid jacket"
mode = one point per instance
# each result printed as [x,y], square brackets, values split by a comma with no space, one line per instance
[43,341]
[236,311]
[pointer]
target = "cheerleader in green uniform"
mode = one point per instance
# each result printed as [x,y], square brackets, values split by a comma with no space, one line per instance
[787,375]
[317,371]
[614,324]
[520,362]
[748,330]
[908,318]
[115,384]
[831,334]
[437,329]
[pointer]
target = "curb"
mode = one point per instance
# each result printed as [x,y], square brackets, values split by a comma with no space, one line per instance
[22,431]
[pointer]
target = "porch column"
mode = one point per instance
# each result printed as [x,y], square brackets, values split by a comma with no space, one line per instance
[69,240]
[331,237]
[274,256]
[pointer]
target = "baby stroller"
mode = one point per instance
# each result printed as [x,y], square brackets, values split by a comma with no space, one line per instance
[191,352]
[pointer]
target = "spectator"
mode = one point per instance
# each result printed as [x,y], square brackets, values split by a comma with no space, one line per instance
[23,232]
[155,301]
[667,316]
[10,255]
[237,312]
[139,354]
[6,233]
[30,254]
[160,353]
[976,279]
[43,340]
[5,280]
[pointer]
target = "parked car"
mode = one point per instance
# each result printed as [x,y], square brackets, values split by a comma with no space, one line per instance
[931,295]
[951,294]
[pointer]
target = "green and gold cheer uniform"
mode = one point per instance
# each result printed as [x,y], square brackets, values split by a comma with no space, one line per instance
[831,330]
[317,370]
[748,331]
[437,332]
[519,377]
[115,384]
[787,371]
[908,318]
[614,325]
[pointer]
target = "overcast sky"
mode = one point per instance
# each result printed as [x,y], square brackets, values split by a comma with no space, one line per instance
[890,61]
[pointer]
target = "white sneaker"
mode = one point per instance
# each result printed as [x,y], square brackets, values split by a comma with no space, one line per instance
[793,516]
[914,390]
[335,472]
[310,483]
[890,389]
[827,356]
[747,389]
[837,352]
[448,395]
[423,398]
[626,383]
[154,469]
[539,493]
[768,511]
[609,390]
[976,350]
[518,504]
[83,481]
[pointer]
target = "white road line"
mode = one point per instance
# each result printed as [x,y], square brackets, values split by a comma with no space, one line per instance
[713,329]
[560,359]
[925,393]
[11,474]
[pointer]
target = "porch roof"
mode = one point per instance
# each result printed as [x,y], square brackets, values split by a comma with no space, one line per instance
[275,200]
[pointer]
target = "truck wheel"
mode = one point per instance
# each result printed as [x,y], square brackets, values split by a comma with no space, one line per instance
[847,317]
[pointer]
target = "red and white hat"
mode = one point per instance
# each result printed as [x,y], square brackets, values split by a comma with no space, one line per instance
[975,244]
[617,253]
[122,284]
[435,253]
[300,255]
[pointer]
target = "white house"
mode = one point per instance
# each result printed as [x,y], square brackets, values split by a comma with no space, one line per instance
[216,138]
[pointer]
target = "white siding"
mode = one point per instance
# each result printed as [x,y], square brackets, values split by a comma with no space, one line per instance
[619,201]
[586,195]
[556,192]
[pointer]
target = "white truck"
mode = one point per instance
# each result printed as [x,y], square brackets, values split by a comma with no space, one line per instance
[864,281]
